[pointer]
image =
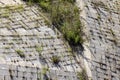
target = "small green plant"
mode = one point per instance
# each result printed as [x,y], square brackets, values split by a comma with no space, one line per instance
[47,22]
[112,32]
[19,8]
[55,59]
[14,8]
[44,70]
[114,36]
[98,17]
[20,53]
[45,5]
[30,2]
[69,50]
[44,73]
[82,75]
[39,49]
[6,13]
[7,47]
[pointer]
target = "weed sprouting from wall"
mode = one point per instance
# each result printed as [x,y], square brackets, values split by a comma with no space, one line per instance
[82,75]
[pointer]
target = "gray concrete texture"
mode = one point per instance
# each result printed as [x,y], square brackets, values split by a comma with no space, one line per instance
[103,24]
[27,45]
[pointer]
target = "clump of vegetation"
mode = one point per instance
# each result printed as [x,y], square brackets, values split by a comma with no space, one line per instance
[112,32]
[20,53]
[64,15]
[114,36]
[55,59]
[6,13]
[44,70]
[44,73]
[39,49]
[7,47]
[82,75]
[18,8]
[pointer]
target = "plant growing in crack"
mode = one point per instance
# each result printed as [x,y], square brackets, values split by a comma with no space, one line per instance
[6,13]
[44,72]
[55,60]
[82,75]
[39,49]
[114,36]
[98,17]
[7,47]
[112,32]
[20,53]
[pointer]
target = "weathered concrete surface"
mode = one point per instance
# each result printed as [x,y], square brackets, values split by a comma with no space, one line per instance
[13,72]
[10,2]
[24,29]
[27,45]
[102,33]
